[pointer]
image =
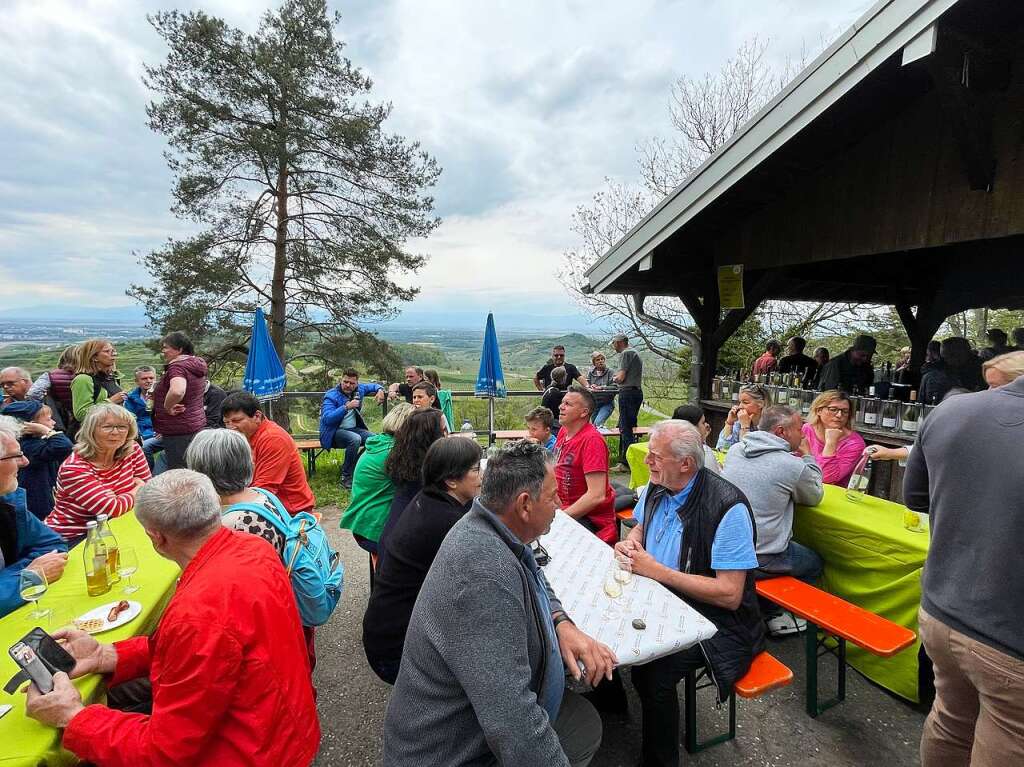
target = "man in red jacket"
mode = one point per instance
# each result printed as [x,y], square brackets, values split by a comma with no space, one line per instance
[277,461]
[228,665]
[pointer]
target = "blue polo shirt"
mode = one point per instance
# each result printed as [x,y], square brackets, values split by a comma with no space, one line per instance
[732,549]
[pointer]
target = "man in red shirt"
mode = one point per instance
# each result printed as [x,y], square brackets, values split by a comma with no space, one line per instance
[581,467]
[228,665]
[769,361]
[277,461]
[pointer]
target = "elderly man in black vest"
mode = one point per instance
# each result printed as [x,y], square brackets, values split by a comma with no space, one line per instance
[695,535]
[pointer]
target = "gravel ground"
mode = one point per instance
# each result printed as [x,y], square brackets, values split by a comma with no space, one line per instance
[772,731]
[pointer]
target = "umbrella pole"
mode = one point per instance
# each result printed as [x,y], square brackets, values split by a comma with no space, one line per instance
[490,421]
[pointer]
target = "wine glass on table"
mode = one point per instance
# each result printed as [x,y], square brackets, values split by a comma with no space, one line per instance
[32,585]
[127,566]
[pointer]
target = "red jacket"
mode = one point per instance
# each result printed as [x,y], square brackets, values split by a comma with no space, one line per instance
[231,679]
[279,467]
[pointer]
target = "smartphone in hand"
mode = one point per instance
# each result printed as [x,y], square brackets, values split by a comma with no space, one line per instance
[30,663]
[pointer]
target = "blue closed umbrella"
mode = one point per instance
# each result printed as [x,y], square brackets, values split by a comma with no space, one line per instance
[490,381]
[264,374]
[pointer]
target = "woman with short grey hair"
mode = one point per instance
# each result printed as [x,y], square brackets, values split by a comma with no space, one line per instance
[225,457]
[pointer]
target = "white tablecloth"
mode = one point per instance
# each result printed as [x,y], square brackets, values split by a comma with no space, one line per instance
[580,561]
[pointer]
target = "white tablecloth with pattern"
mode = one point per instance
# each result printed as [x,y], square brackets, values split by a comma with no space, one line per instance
[579,564]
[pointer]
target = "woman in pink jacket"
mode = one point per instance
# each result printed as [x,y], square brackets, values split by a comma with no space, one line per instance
[835,446]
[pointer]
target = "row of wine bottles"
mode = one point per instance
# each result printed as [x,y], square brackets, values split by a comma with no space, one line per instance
[869,412]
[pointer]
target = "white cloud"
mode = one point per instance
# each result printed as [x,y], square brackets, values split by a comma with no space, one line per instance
[527,105]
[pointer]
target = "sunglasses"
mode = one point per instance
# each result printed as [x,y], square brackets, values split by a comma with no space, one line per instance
[541,556]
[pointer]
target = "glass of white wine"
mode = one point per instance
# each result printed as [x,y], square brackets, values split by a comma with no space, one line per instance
[127,566]
[32,585]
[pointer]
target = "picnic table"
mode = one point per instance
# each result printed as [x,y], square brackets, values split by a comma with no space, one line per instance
[28,743]
[871,561]
[579,564]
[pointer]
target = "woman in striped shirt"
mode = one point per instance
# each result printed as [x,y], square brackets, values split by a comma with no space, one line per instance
[102,475]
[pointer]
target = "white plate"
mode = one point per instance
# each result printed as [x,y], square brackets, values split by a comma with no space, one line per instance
[101,612]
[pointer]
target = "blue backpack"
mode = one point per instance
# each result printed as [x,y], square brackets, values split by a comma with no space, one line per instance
[315,570]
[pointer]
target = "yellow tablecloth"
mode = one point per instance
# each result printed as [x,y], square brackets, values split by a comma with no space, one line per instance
[27,743]
[871,560]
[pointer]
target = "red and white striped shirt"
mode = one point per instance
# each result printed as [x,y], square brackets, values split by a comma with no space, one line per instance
[83,491]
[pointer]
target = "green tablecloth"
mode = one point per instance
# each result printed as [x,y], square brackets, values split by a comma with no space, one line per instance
[27,743]
[871,560]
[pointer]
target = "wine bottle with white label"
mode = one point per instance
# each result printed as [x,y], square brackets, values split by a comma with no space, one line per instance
[890,413]
[871,408]
[911,415]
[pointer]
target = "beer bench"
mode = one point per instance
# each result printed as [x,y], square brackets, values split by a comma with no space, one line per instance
[311,449]
[837,619]
[765,674]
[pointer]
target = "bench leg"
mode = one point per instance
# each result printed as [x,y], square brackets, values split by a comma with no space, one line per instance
[690,740]
[811,649]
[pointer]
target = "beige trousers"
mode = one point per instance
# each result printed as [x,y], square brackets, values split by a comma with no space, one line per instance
[978,715]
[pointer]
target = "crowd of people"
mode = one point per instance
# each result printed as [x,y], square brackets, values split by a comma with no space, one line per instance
[461,619]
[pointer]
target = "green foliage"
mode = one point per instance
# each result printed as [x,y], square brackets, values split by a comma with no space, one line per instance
[39,359]
[306,202]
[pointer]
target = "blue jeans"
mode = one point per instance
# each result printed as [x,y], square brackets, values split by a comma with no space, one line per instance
[602,414]
[350,440]
[150,447]
[797,560]
[630,401]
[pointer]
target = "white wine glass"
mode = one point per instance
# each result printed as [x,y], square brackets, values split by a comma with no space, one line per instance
[32,585]
[127,566]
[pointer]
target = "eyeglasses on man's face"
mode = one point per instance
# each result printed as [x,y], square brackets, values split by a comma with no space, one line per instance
[12,457]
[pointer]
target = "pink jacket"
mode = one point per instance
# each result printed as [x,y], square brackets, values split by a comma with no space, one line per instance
[836,469]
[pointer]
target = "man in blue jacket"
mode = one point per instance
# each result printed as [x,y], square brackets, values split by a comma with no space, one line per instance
[341,422]
[24,540]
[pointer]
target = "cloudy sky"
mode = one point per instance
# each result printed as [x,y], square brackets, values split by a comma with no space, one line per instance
[527,104]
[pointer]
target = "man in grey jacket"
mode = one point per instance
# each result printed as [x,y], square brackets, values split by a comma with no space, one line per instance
[482,677]
[774,468]
[967,473]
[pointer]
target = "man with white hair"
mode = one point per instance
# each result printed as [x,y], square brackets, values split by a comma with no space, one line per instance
[228,665]
[15,383]
[25,542]
[695,535]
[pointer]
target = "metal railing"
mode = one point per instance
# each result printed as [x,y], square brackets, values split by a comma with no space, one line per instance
[301,414]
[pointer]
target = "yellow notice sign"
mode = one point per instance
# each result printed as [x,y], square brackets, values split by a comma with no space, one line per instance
[730,286]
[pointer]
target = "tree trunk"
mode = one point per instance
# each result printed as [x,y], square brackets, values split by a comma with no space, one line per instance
[278,305]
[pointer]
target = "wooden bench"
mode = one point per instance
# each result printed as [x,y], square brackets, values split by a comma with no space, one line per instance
[837,619]
[766,673]
[310,448]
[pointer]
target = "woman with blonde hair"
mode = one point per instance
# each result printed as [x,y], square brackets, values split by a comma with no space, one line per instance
[834,445]
[372,489]
[95,378]
[103,473]
[1004,369]
[744,416]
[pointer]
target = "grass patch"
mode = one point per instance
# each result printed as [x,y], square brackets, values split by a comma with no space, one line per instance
[326,483]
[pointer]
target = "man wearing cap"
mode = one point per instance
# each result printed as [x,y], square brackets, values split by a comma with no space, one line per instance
[629,378]
[851,370]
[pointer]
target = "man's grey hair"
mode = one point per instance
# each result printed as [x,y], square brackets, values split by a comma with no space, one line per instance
[144,369]
[684,439]
[22,374]
[10,427]
[776,415]
[224,456]
[519,467]
[180,502]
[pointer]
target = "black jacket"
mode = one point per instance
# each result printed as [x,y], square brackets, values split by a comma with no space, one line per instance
[405,558]
[740,633]
[840,373]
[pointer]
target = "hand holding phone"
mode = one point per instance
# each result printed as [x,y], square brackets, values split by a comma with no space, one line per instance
[30,663]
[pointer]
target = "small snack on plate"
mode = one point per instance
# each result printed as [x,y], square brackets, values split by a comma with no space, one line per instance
[90,625]
[116,610]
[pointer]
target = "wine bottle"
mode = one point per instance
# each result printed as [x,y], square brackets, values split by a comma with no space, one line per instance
[890,413]
[911,415]
[94,555]
[871,408]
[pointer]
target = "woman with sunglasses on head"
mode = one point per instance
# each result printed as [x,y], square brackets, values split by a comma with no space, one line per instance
[451,480]
[835,446]
[744,416]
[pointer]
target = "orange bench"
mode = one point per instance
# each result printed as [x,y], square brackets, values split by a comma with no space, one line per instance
[766,673]
[836,618]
